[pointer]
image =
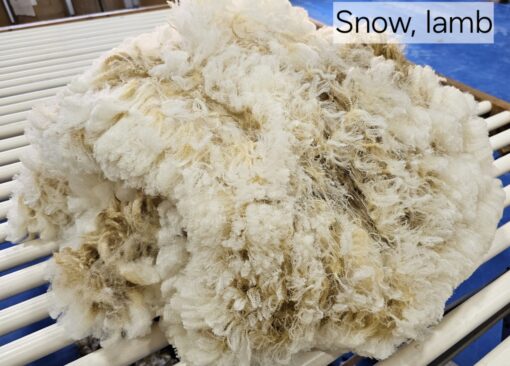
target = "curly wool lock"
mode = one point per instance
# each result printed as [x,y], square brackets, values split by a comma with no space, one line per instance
[262,190]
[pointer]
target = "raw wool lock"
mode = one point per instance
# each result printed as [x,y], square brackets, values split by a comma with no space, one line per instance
[259,188]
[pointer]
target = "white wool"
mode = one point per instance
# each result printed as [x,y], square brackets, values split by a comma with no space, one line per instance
[260,188]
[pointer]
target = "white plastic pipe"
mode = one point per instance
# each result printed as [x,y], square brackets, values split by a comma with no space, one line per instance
[55,48]
[11,156]
[30,79]
[498,120]
[26,42]
[21,106]
[53,55]
[49,58]
[455,325]
[19,45]
[49,63]
[502,165]
[8,171]
[12,129]
[484,107]
[499,356]
[22,280]
[12,143]
[500,140]
[312,358]
[77,28]
[13,117]
[34,346]
[45,87]
[57,44]
[24,313]
[44,70]
[25,252]
[507,195]
[4,207]
[3,231]
[125,352]
[6,190]
[58,47]
[501,242]
[78,23]
[30,96]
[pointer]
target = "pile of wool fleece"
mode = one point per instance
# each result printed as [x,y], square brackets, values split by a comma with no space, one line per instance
[260,189]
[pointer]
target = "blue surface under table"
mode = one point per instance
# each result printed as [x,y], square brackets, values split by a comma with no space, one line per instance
[484,67]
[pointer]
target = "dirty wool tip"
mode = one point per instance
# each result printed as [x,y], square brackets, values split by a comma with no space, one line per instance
[258,188]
